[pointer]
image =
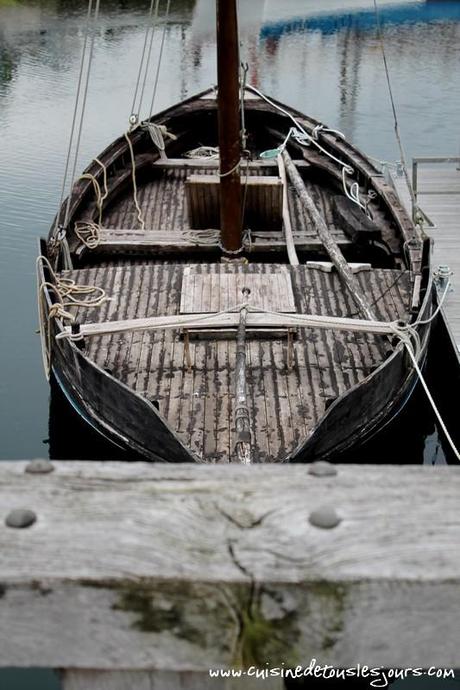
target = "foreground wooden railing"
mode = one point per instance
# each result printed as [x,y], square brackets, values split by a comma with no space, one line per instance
[135,575]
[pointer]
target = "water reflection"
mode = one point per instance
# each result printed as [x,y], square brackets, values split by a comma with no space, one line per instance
[325,63]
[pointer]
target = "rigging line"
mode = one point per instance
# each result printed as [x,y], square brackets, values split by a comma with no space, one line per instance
[149,54]
[160,57]
[303,138]
[393,105]
[74,116]
[141,64]
[442,424]
[83,107]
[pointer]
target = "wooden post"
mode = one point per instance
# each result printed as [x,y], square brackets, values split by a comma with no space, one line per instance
[229,125]
[328,241]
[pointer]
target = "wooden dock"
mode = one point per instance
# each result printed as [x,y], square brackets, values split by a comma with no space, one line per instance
[136,575]
[437,185]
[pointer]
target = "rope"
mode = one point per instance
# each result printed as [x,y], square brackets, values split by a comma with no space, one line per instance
[202,237]
[393,106]
[75,110]
[133,175]
[150,27]
[68,294]
[229,172]
[100,198]
[88,233]
[244,137]
[203,152]
[304,139]
[442,424]
[160,57]
[83,107]
[157,134]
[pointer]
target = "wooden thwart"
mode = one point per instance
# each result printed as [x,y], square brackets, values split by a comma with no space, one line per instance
[231,320]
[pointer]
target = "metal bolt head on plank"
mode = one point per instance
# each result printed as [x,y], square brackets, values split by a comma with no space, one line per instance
[325,517]
[39,466]
[20,518]
[322,469]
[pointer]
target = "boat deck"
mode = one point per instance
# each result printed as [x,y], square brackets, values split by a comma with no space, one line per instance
[164,208]
[286,402]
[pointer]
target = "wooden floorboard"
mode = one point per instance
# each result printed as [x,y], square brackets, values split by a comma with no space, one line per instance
[285,404]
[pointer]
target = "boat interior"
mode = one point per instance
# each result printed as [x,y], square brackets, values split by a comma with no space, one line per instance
[157,253]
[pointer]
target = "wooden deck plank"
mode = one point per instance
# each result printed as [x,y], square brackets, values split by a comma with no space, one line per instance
[444,211]
[284,404]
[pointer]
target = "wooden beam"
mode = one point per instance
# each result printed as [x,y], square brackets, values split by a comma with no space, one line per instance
[165,569]
[171,242]
[215,163]
[232,320]
[328,240]
[287,225]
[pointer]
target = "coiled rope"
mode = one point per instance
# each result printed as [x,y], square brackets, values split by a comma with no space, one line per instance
[68,293]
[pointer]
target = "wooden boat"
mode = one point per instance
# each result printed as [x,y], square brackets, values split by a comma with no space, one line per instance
[259,308]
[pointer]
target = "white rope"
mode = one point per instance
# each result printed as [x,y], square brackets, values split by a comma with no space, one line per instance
[158,134]
[74,116]
[393,107]
[305,139]
[144,64]
[203,152]
[229,172]
[160,57]
[202,237]
[68,294]
[83,108]
[88,233]
[133,176]
[431,400]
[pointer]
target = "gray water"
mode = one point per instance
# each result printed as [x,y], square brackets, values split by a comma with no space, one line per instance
[325,62]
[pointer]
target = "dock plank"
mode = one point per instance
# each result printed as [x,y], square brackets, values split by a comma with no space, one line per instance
[444,211]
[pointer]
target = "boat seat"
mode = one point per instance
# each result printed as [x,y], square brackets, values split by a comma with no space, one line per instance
[263,201]
[157,242]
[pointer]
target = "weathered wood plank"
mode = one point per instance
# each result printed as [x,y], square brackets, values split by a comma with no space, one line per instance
[444,212]
[230,320]
[130,566]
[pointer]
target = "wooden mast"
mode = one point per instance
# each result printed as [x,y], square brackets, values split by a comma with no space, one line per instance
[229,125]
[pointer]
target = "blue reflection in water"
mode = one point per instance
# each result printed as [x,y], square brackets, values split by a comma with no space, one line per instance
[365,20]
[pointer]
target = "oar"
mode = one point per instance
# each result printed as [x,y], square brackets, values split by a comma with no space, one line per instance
[330,245]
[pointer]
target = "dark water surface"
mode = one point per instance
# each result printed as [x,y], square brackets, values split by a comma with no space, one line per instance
[326,63]
[321,57]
